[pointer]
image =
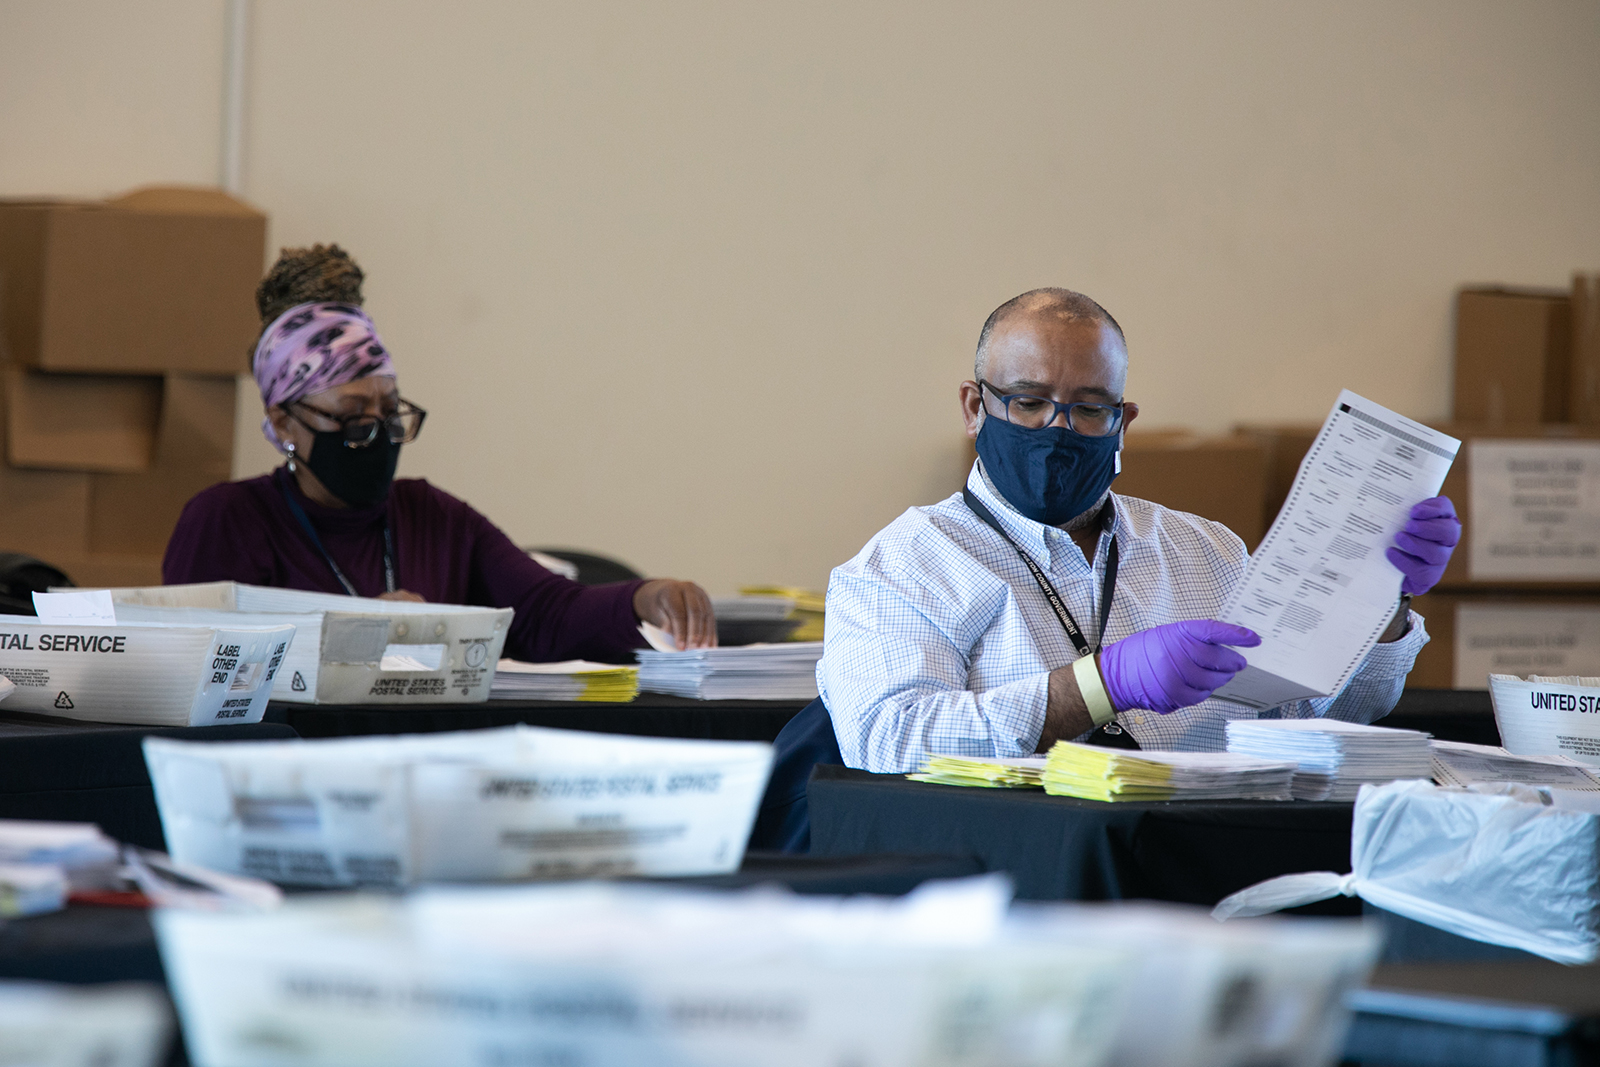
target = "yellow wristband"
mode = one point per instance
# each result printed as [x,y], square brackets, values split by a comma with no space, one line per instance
[1095,697]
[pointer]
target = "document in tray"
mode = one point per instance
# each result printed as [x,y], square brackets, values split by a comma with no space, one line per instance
[1320,590]
[1460,764]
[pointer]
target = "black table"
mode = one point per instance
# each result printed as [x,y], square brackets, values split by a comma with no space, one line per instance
[1060,848]
[1448,714]
[648,715]
[89,772]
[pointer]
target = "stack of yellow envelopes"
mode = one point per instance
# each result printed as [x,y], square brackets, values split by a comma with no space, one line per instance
[807,606]
[572,679]
[1017,773]
[1117,774]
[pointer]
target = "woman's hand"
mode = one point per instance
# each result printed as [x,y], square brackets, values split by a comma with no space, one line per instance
[402,594]
[680,608]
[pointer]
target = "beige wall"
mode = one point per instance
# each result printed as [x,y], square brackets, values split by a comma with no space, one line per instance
[693,283]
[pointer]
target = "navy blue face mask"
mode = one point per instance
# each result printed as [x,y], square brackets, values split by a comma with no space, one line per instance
[1051,475]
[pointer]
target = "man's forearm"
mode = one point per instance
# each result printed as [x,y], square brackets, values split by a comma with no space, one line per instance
[1066,715]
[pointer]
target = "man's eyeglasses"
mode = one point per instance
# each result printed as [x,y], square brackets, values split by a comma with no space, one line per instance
[401,425]
[1037,412]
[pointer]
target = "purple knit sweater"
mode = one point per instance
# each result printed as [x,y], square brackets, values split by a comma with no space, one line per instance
[445,552]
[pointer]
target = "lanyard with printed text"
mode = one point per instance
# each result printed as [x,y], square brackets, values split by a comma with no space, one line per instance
[1068,623]
[311,532]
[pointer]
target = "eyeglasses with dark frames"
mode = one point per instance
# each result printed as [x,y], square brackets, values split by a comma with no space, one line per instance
[1037,412]
[401,425]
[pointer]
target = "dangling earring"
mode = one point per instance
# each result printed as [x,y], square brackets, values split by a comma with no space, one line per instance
[289,448]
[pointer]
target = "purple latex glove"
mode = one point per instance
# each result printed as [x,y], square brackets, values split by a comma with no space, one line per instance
[1174,666]
[1424,545]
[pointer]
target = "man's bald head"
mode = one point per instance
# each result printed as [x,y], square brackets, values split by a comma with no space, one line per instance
[1063,305]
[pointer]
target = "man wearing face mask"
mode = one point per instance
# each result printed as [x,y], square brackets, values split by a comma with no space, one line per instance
[334,519]
[1038,606]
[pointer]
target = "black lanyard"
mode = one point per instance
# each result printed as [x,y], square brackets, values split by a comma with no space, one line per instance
[1068,623]
[311,532]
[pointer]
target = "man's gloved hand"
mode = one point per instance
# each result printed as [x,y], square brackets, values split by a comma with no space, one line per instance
[1423,546]
[1174,666]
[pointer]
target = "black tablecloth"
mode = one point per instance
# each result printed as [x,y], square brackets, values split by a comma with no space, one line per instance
[1058,848]
[1448,714]
[649,715]
[87,772]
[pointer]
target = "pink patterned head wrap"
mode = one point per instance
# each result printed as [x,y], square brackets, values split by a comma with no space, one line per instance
[313,347]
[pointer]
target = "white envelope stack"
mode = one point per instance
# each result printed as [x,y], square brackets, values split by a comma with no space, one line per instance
[781,671]
[481,805]
[1335,758]
[349,650]
[619,976]
[144,673]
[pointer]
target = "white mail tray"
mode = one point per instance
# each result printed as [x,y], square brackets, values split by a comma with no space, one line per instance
[350,650]
[145,673]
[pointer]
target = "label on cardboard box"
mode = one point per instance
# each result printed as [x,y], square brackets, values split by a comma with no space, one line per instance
[1535,510]
[1524,639]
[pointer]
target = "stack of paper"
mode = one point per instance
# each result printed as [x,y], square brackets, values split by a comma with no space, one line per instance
[573,679]
[1334,758]
[41,862]
[808,605]
[1460,764]
[1014,773]
[1094,773]
[786,671]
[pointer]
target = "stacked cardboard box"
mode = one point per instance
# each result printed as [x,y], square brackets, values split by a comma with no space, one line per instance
[1522,592]
[123,327]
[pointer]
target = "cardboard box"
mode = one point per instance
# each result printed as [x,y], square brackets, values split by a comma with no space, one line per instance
[142,673]
[81,422]
[1544,514]
[1285,446]
[1221,478]
[134,514]
[42,513]
[1478,634]
[1583,400]
[158,280]
[1513,355]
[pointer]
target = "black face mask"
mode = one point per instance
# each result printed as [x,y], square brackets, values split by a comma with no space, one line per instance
[358,476]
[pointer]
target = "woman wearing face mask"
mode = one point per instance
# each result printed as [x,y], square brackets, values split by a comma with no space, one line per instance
[334,520]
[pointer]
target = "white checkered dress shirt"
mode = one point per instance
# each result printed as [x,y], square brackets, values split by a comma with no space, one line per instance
[939,640]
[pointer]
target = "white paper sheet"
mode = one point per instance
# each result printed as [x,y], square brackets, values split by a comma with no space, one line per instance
[1319,590]
[88,607]
[1535,510]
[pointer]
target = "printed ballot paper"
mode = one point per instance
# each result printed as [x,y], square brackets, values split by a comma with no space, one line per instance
[1548,716]
[348,650]
[155,674]
[1460,764]
[1319,589]
[522,802]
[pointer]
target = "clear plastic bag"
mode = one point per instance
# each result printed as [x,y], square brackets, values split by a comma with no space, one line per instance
[1507,864]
